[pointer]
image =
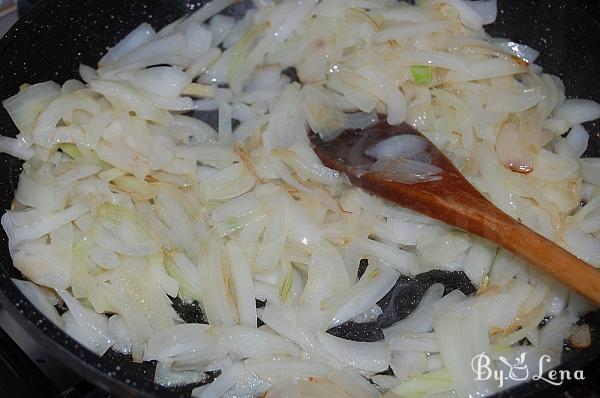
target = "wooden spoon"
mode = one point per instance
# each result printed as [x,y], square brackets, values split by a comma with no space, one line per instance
[453,200]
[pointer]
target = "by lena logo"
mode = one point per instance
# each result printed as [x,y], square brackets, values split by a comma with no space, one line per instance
[518,370]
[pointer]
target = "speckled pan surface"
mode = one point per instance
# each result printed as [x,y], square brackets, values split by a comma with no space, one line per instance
[56,36]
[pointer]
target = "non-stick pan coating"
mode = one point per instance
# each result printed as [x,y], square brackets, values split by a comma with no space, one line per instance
[56,36]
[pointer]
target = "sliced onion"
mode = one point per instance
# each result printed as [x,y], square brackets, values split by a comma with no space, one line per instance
[44,226]
[168,377]
[251,342]
[210,9]
[296,368]
[171,44]
[400,260]
[16,147]
[353,384]
[577,111]
[367,357]
[370,315]
[420,342]
[161,80]
[130,98]
[220,26]
[221,384]
[118,330]
[25,106]
[199,38]
[85,325]
[590,170]
[406,171]
[522,51]
[39,300]
[551,167]
[42,196]
[432,58]
[305,162]
[362,295]
[578,139]
[136,38]
[249,385]
[406,146]
[183,342]
[469,15]
[419,321]
[556,331]
[405,31]
[486,69]
[585,246]
[487,9]
[406,13]
[581,336]
[216,295]
[409,364]
[244,289]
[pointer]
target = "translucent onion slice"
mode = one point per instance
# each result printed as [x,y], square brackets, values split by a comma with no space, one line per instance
[89,327]
[405,146]
[367,357]
[577,111]
[25,106]
[39,300]
[134,39]
[374,284]
[406,171]
[405,31]
[420,342]
[249,342]
[169,377]
[419,321]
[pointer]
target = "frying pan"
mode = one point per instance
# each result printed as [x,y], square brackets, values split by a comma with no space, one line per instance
[50,42]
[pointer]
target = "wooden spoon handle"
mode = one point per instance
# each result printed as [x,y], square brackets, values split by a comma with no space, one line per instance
[461,205]
[555,261]
[544,254]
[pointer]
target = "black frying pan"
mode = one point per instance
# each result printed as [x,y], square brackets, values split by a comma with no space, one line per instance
[56,36]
